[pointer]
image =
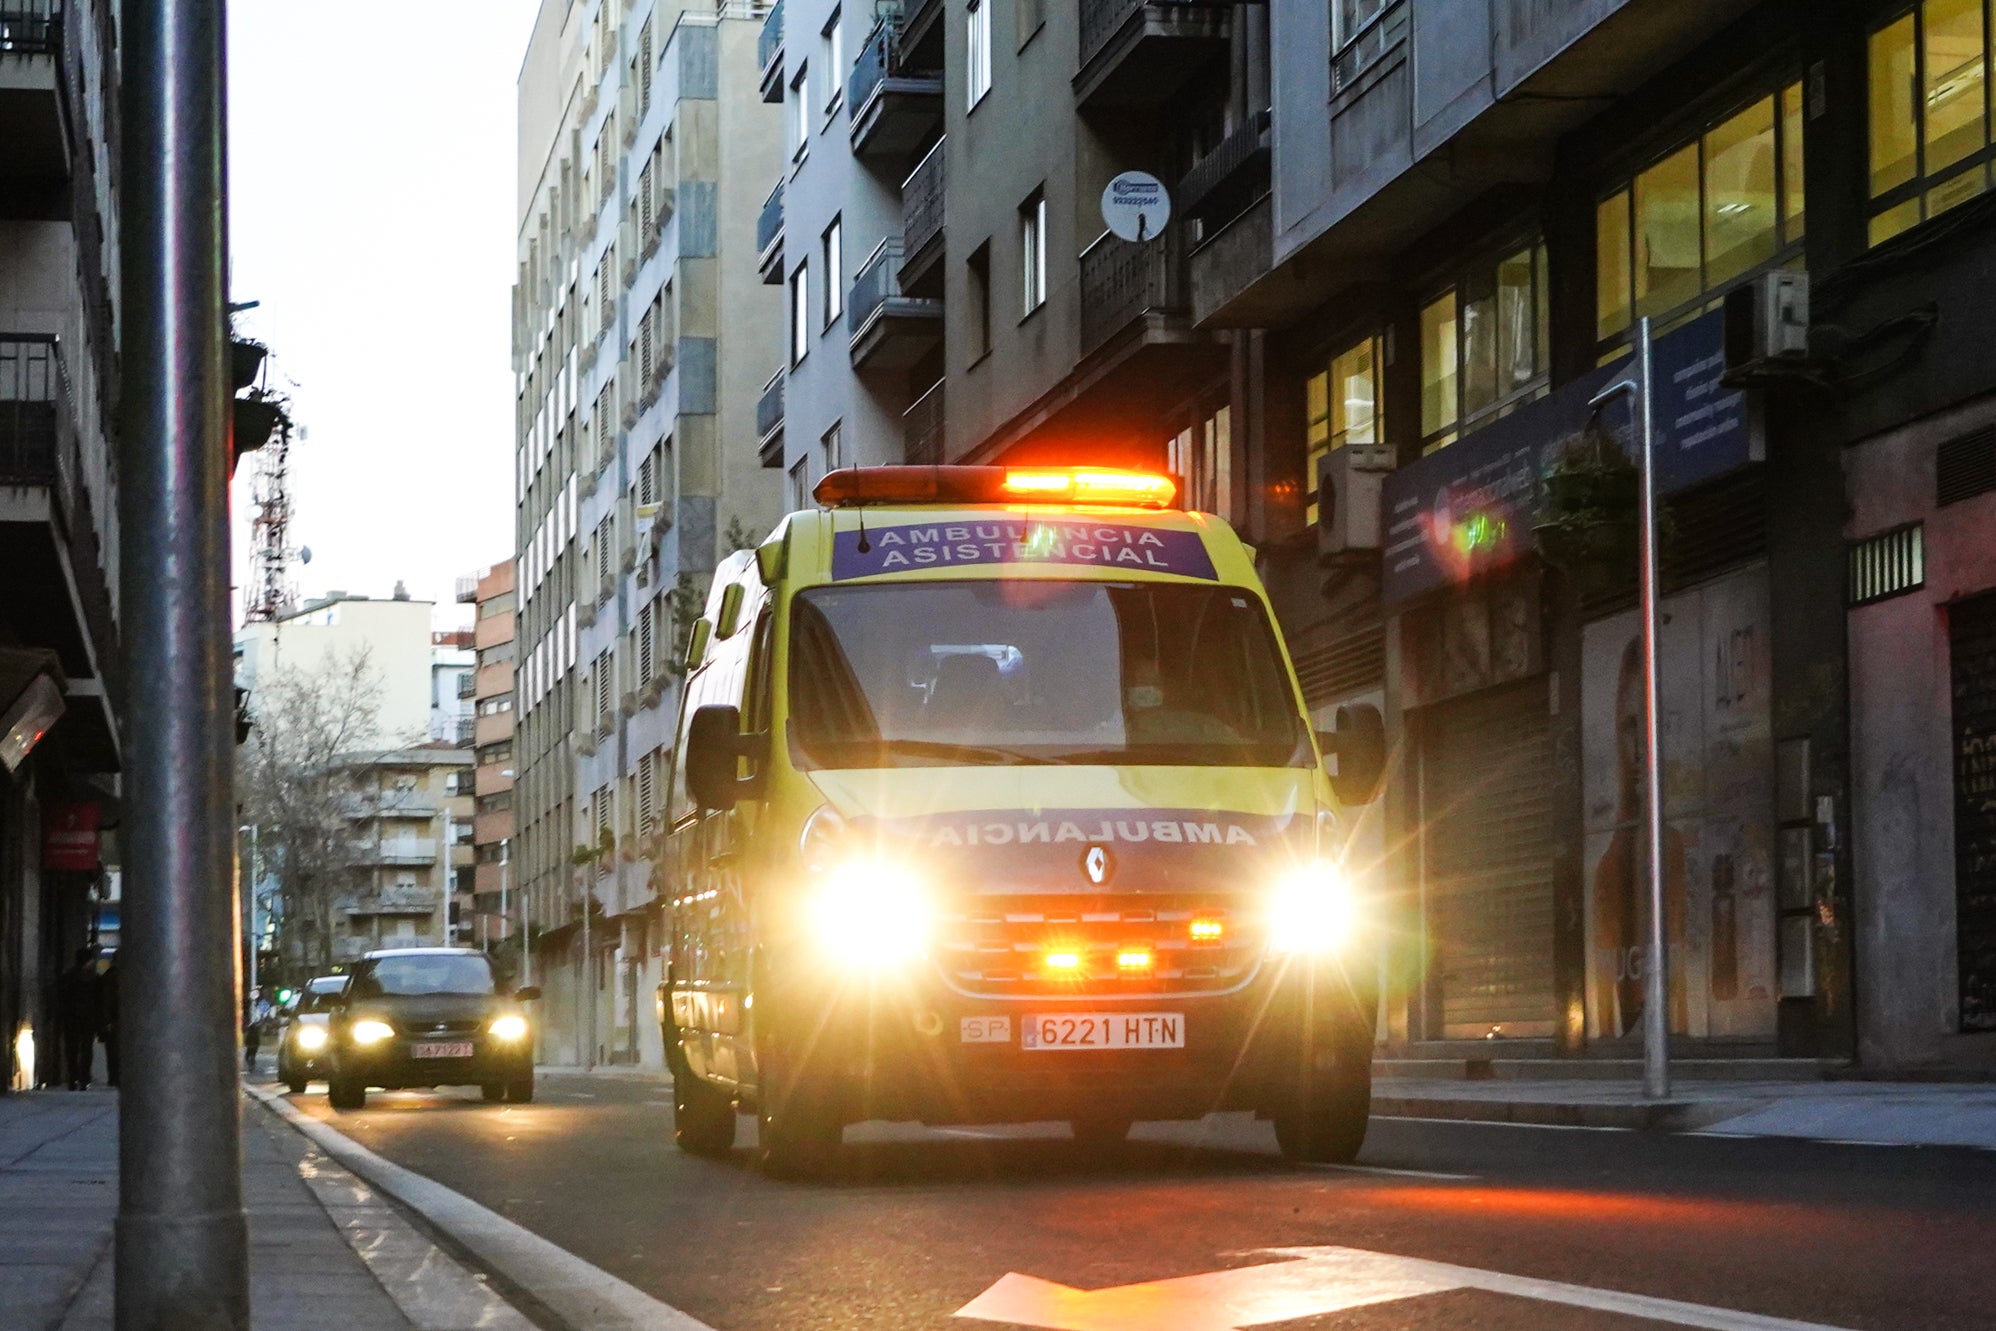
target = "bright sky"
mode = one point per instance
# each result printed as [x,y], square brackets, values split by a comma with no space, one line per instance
[371,163]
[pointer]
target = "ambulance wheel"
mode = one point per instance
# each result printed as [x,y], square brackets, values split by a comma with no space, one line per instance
[1325,1122]
[703,1116]
[1101,1136]
[797,1139]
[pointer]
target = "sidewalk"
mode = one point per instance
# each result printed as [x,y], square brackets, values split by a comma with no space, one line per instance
[1869,1112]
[324,1249]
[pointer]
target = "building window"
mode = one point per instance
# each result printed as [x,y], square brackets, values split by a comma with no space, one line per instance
[1362,33]
[1203,456]
[1484,346]
[833,46]
[1702,217]
[800,114]
[978,267]
[834,265]
[1032,15]
[800,313]
[978,67]
[1889,564]
[800,484]
[832,449]
[1033,250]
[1342,406]
[1930,148]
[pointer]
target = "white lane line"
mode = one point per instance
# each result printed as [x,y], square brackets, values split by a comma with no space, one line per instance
[1498,1123]
[1385,1172]
[578,1293]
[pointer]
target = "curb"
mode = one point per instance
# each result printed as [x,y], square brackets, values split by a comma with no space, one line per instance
[1659,1116]
[580,1296]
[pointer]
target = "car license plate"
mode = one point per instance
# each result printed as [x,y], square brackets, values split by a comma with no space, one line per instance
[1105,1030]
[441,1049]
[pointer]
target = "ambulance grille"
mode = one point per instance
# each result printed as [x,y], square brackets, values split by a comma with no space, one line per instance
[998,946]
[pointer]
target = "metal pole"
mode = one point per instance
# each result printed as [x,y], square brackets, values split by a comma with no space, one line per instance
[585,992]
[1656,973]
[249,904]
[505,911]
[182,1243]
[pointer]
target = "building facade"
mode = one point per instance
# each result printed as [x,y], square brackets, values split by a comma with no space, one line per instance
[336,630]
[453,661]
[642,337]
[493,906]
[410,821]
[59,688]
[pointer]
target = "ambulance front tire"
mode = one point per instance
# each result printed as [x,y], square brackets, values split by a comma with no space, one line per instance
[796,1138]
[703,1116]
[1324,1122]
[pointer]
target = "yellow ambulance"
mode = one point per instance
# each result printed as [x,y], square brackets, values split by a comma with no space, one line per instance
[995,800]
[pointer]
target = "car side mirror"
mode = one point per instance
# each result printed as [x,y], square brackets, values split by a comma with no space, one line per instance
[527,993]
[714,744]
[1358,743]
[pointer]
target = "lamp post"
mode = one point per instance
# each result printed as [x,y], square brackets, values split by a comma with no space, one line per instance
[1656,964]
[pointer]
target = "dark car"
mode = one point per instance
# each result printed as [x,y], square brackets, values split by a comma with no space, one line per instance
[430,1016]
[304,1030]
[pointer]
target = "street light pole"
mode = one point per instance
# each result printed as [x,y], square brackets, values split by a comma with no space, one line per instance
[1656,965]
[181,1239]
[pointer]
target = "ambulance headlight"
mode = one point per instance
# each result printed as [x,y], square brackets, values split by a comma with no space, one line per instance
[1310,909]
[868,914]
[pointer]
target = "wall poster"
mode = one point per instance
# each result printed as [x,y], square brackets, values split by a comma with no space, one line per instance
[1719,843]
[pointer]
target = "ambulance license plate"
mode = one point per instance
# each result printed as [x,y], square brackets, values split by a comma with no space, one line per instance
[1104,1030]
[441,1049]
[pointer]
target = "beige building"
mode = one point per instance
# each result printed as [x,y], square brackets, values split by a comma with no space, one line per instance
[493,907]
[410,823]
[394,633]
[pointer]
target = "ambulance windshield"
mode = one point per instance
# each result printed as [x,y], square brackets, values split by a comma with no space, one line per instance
[1021,671]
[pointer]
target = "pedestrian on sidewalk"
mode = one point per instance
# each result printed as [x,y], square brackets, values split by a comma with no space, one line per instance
[252,1034]
[107,1015]
[76,1018]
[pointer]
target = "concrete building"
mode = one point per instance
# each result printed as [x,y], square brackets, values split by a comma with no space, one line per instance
[394,635]
[642,337]
[410,816]
[494,905]
[59,547]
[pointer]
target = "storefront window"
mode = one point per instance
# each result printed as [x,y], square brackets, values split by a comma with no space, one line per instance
[1343,407]
[1702,217]
[1929,117]
[1483,345]
[1203,455]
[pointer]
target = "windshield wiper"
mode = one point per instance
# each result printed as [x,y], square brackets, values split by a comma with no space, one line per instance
[976,753]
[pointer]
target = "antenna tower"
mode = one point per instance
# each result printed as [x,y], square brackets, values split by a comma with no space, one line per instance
[270,592]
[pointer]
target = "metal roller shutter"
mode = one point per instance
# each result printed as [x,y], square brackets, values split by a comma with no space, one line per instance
[1487,786]
[1972,630]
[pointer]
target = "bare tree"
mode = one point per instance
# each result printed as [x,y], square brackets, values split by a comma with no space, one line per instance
[297,784]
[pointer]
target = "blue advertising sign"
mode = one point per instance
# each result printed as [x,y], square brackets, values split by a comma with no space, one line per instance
[1470,507]
[931,545]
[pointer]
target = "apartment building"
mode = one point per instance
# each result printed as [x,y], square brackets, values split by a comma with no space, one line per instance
[642,337]
[59,687]
[493,910]
[409,814]
[333,632]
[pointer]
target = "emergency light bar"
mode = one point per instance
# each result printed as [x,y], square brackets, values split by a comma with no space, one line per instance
[853,486]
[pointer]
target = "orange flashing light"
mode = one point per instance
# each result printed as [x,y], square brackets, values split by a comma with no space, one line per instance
[1134,959]
[1208,931]
[853,486]
[1061,961]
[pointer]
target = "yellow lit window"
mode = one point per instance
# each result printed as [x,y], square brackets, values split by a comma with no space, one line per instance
[1342,407]
[1439,406]
[1792,194]
[1928,113]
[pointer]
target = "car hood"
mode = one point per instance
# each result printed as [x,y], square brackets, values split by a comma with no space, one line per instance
[415,1012]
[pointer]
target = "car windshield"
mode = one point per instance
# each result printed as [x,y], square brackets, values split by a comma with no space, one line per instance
[441,973]
[1030,671]
[322,995]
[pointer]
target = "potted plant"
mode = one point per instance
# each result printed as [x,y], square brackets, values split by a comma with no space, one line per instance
[1588,522]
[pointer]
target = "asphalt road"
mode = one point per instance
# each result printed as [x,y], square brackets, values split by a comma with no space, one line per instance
[925,1222]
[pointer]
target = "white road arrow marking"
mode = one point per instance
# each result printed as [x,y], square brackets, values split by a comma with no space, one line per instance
[1314,1282]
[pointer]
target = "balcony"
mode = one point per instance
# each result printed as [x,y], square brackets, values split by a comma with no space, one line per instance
[769,237]
[922,428]
[1127,285]
[769,55]
[922,221]
[1228,180]
[467,590]
[895,110]
[769,422]
[1136,55]
[467,685]
[889,329]
[397,852]
[51,541]
[922,32]
[35,100]
[397,900]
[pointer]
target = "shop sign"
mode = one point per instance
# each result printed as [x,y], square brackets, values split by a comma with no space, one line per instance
[1470,507]
[69,836]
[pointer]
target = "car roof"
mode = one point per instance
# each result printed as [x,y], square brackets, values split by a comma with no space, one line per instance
[423,952]
[325,984]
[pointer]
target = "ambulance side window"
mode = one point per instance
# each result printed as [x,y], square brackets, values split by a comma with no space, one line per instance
[759,705]
[680,804]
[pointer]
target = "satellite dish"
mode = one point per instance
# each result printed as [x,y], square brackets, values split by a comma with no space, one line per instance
[304,554]
[1136,206]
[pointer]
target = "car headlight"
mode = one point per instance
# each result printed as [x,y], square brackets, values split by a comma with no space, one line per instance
[311,1039]
[867,914]
[510,1027]
[372,1032]
[1311,909]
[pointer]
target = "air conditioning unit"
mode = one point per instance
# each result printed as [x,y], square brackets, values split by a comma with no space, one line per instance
[1350,481]
[1767,320]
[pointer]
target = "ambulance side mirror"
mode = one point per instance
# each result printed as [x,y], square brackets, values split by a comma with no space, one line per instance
[713,746]
[1358,744]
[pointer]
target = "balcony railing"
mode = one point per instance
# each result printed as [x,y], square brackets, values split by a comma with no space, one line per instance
[31,27]
[922,428]
[769,54]
[769,223]
[769,409]
[467,685]
[1238,167]
[35,412]
[922,202]
[876,61]
[1122,280]
[398,900]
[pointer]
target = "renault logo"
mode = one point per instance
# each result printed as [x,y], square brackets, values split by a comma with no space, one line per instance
[1098,865]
